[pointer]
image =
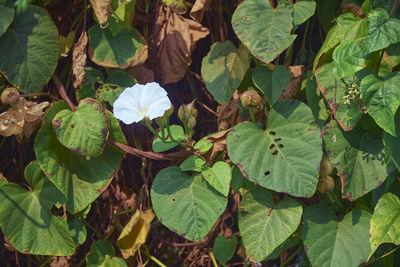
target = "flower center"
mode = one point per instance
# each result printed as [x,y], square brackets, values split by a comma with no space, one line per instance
[143,112]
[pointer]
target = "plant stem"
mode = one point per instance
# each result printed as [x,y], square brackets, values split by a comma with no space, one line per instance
[63,93]
[151,257]
[253,117]
[334,200]
[214,261]
[291,257]
[244,253]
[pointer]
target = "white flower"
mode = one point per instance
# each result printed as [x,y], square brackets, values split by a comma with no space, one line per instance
[140,101]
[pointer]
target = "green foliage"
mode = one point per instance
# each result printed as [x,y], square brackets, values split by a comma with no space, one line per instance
[7,17]
[29,50]
[286,156]
[102,254]
[224,249]
[186,204]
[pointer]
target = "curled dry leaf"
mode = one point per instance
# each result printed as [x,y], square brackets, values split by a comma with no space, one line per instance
[198,9]
[352,8]
[102,9]
[294,85]
[172,40]
[79,59]
[11,122]
[228,114]
[134,234]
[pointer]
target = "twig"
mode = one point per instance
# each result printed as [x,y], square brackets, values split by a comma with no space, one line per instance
[207,108]
[63,93]
[149,154]
[176,244]
[41,94]
[393,6]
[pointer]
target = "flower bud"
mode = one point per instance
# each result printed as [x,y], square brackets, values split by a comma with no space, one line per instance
[325,184]
[191,122]
[325,167]
[10,96]
[183,113]
[250,98]
[192,109]
[161,121]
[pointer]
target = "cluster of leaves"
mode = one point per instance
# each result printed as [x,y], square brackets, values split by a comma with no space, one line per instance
[313,169]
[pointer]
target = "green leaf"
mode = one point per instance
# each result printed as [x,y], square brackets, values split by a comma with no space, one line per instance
[126,49]
[349,58]
[120,78]
[29,50]
[315,101]
[113,262]
[331,41]
[359,158]
[257,18]
[178,135]
[264,224]
[186,205]
[224,249]
[271,83]
[7,15]
[26,218]
[385,222]
[203,145]
[330,242]
[223,69]
[192,163]
[327,12]
[286,156]
[87,89]
[381,97]
[85,130]
[79,178]
[392,143]
[334,90]
[121,17]
[98,251]
[219,176]
[303,10]
[382,31]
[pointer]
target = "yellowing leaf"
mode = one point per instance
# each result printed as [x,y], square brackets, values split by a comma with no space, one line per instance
[135,232]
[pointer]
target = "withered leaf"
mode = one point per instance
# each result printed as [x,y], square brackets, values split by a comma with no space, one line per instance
[294,85]
[11,122]
[134,234]
[172,41]
[228,114]
[198,9]
[79,59]
[102,9]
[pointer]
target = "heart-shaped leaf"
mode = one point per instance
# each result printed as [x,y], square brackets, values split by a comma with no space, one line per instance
[381,97]
[85,130]
[385,222]
[271,82]
[192,163]
[177,133]
[263,224]
[126,49]
[382,31]
[302,10]
[26,218]
[349,57]
[330,242]
[219,176]
[334,90]
[186,205]
[80,179]
[29,49]
[7,15]
[224,249]
[255,18]
[359,158]
[286,156]
[223,69]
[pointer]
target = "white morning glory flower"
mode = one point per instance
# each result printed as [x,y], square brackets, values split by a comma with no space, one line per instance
[140,101]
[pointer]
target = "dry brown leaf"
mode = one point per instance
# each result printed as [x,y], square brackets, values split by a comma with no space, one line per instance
[102,9]
[294,85]
[142,74]
[135,232]
[172,40]
[198,9]
[79,59]
[353,8]
[11,122]
[228,114]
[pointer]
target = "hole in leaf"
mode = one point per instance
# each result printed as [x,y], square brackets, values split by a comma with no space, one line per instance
[72,125]
[271,146]
[275,153]
[267,173]
[280,146]
[277,139]
[272,133]
[173,199]
[245,18]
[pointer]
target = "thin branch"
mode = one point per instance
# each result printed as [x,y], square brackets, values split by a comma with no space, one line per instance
[393,6]
[63,93]
[149,154]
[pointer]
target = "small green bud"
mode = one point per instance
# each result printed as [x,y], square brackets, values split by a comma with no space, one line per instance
[326,184]
[187,111]
[191,122]
[10,96]
[326,167]
[250,98]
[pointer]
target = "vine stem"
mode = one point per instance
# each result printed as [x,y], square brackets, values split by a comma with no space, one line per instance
[290,257]
[214,261]
[63,93]
[392,9]
[151,257]
[149,154]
